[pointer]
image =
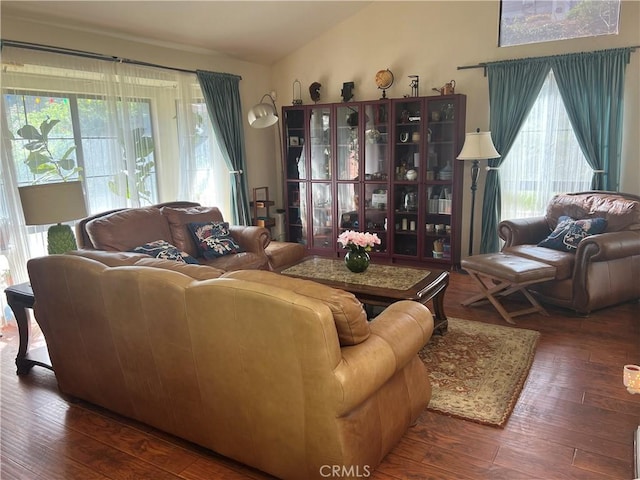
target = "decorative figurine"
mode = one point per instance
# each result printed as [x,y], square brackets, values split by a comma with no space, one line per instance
[297,96]
[347,91]
[314,91]
[415,82]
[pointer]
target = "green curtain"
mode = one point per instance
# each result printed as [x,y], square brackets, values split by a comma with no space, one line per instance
[592,88]
[222,96]
[513,88]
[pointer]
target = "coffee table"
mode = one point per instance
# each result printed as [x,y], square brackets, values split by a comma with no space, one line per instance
[380,285]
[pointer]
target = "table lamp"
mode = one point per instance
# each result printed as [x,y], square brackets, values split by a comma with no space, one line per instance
[52,204]
[477,146]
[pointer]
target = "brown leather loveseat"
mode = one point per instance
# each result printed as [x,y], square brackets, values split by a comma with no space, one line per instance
[604,270]
[128,228]
[282,374]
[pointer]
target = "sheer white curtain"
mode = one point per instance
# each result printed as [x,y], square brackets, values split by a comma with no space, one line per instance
[204,176]
[544,160]
[136,130]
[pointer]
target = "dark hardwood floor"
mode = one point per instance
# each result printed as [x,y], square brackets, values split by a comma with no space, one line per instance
[574,418]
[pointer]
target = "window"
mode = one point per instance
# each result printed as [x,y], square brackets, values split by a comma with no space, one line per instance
[82,132]
[534,21]
[135,135]
[545,158]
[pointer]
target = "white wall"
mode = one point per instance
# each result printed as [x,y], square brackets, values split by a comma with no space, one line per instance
[431,39]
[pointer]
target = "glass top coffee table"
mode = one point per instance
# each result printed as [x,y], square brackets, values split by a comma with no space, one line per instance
[380,285]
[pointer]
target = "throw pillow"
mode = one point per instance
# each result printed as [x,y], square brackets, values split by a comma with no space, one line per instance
[213,239]
[163,249]
[569,232]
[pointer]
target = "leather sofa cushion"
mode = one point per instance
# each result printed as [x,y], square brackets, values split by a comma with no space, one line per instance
[563,261]
[197,272]
[348,314]
[179,218]
[127,229]
[237,261]
[111,259]
[621,213]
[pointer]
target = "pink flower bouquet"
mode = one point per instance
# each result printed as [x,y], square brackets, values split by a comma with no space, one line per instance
[358,241]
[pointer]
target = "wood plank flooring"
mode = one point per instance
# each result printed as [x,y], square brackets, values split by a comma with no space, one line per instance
[574,418]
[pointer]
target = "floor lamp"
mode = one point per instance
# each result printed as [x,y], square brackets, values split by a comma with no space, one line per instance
[477,146]
[263,115]
[52,204]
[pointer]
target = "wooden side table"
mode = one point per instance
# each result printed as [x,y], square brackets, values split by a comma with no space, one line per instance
[19,298]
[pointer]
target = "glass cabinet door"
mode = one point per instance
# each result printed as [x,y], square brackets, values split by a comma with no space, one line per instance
[347,142]
[407,164]
[376,141]
[294,133]
[323,235]
[375,212]
[295,171]
[297,212]
[442,145]
[348,206]
[320,140]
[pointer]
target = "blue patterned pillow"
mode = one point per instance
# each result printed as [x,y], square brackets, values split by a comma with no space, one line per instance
[213,239]
[163,249]
[569,232]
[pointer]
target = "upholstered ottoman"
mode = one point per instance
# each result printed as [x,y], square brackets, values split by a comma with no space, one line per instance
[284,254]
[501,274]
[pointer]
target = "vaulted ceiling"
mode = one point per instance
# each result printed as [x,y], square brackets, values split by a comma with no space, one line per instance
[255,31]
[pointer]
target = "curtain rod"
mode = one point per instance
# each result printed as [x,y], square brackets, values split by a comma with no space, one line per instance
[81,53]
[484,65]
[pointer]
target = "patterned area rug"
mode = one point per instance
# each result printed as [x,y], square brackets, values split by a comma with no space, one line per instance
[477,370]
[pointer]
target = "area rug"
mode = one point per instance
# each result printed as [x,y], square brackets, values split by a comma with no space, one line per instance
[477,370]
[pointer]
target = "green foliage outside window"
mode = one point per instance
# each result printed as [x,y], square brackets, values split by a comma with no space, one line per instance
[143,147]
[41,161]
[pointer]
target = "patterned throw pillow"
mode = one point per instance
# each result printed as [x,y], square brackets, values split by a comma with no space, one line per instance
[213,239]
[163,249]
[569,232]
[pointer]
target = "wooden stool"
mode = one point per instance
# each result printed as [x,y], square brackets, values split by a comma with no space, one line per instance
[501,274]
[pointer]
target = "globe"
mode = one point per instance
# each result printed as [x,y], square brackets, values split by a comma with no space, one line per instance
[384,79]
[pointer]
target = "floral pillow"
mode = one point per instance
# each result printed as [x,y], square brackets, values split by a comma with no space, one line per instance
[163,249]
[213,239]
[569,232]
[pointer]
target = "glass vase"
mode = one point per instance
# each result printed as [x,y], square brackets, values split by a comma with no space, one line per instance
[357,260]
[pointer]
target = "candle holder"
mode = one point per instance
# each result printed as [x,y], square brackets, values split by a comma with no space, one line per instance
[631,378]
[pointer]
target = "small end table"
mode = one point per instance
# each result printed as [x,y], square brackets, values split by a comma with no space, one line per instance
[20,297]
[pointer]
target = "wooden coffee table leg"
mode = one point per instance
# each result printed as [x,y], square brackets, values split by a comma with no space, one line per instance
[440,323]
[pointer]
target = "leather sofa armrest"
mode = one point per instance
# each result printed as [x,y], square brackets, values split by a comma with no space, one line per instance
[608,246]
[397,335]
[251,238]
[601,248]
[523,231]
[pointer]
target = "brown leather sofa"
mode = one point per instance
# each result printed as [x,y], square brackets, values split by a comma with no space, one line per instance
[282,374]
[605,268]
[128,228]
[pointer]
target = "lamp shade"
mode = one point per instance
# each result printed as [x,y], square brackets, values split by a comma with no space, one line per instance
[478,146]
[50,203]
[262,115]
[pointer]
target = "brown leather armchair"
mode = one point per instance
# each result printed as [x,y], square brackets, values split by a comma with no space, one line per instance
[605,268]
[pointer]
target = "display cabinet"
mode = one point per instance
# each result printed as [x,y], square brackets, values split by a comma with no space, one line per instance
[386,166]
